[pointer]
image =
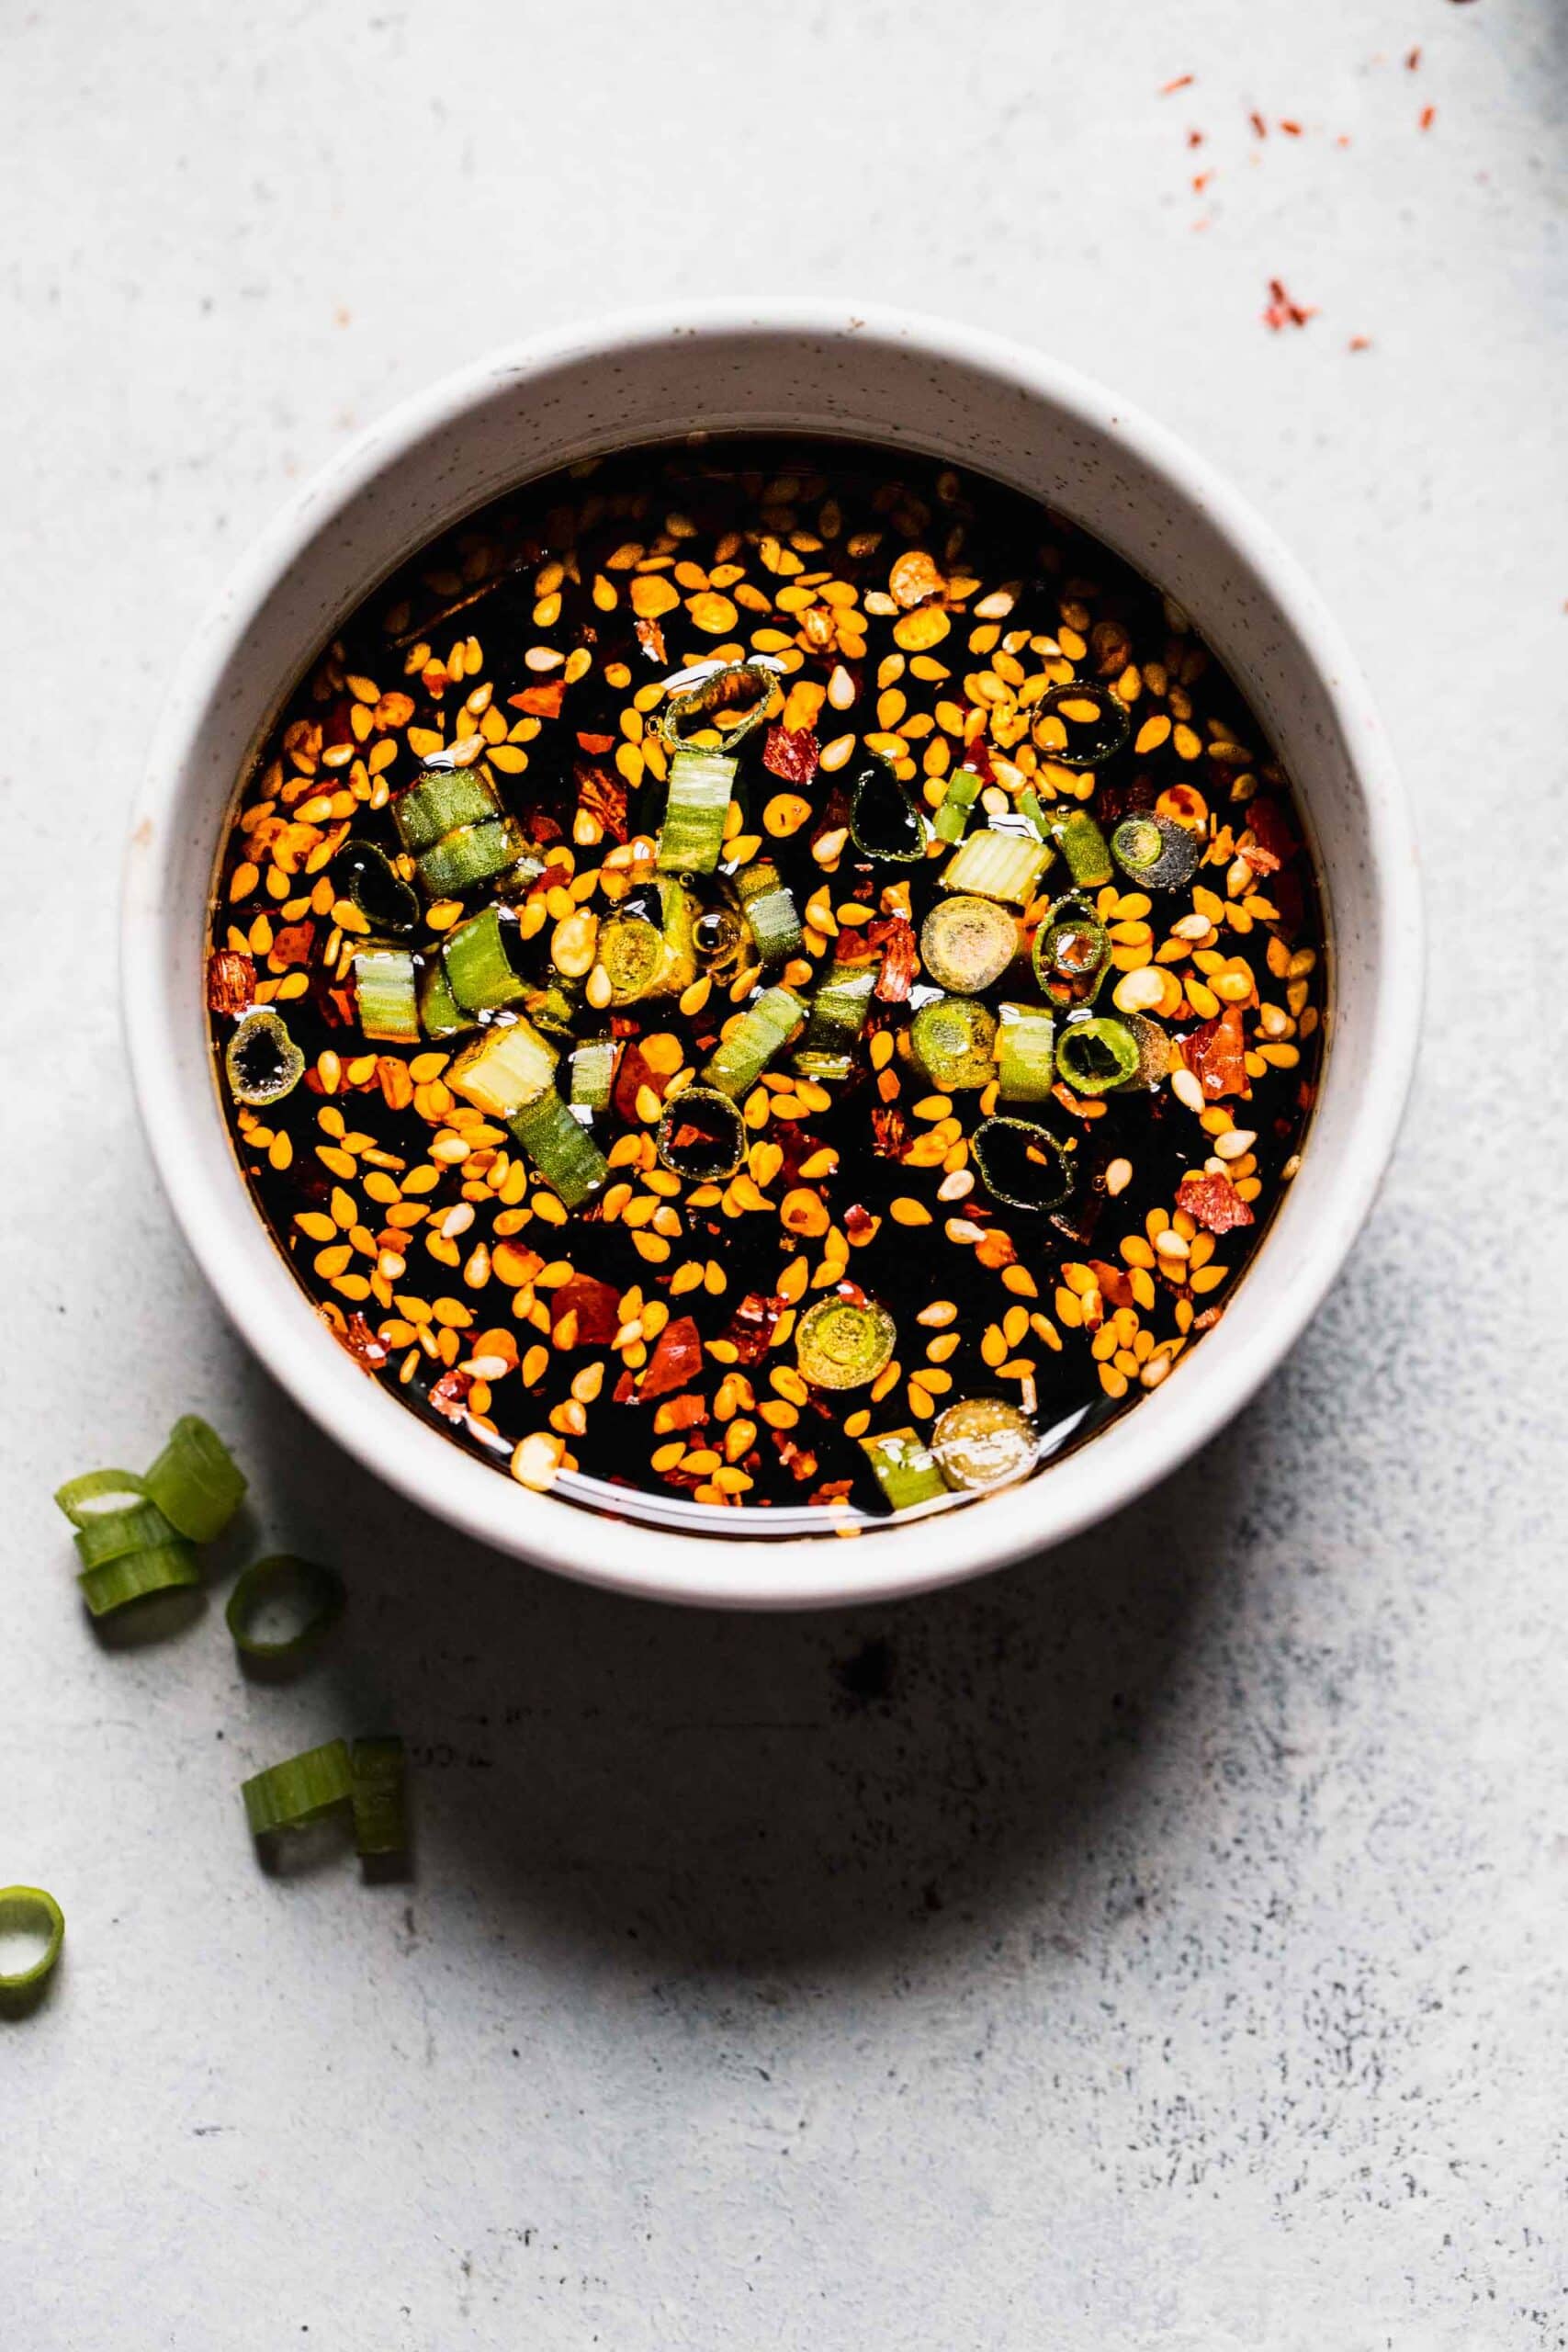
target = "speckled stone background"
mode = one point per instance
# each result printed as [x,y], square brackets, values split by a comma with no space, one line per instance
[1160,1946]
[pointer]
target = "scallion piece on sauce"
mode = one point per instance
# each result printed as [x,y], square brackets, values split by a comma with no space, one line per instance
[386,995]
[845,1343]
[1072,951]
[1091,722]
[366,877]
[378,1770]
[982,1442]
[1156,852]
[470,855]
[136,1576]
[479,969]
[1096,1053]
[287,1795]
[196,1481]
[309,1596]
[966,943]
[593,1073]
[1020,1164]
[839,1009]
[1083,846]
[1034,815]
[769,909]
[953,817]
[631,951]
[562,1149]
[440,1013]
[31,1911]
[701,1135]
[692,836]
[1025,1052]
[262,1061]
[94,1492]
[905,1469]
[761,1032]
[441,801]
[995,864]
[954,1041]
[883,821]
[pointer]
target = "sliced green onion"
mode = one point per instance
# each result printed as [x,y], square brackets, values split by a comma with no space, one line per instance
[1084,846]
[996,865]
[593,1073]
[480,970]
[1157,1054]
[439,1009]
[838,1008]
[954,1040]
[1025,1051]
[905,1467]
[1020,1164]
[720,689]
[29,1911]
[555,1006]
[438,802]
[885,823]
[966,943]
[953,817]
[1072,953]
[1035,817]
[470,855]
[287,1795]
[1096,1053]
[841,1343]
[310,1596]
[367,877]
[385,994]
[769,909]
[701,1135]
[1156,852]
[262,1059]
[508,1066]
[678,914]
[631,950]
[562,1149]
[196,1482]
[87,1497]
[763,1030]
[1093,723]
[138,1575]
[692,835]
[379,1795]
[112,1534]
[981,1442]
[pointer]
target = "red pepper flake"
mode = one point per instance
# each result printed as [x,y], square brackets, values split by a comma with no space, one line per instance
[363,1344]
[889,1129]
[1259,126]
[596,1305]
[1194,139]
[900,959]
[623,1391]
[832,1490]
[1261,860]
[751,1326]
[1428,116]
[1412,61]
[790,753]
[858,1223]
[650,637]
[1182,82]
[632,1075]
[540,702]
[1271,830]
[995,1249]
[1282,311]
[595,745]
[676,1361]
[800,1465]
[230,982]
[449,1394]
[293,943]
[601,794]
[1212,1201]
[1359,343]
[683,1413]
[1216,1055]
[1201,181]
[1291,130]
[1114,1282]
[542,829]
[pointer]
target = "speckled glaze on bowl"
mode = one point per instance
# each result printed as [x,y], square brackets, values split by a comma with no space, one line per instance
[878,376]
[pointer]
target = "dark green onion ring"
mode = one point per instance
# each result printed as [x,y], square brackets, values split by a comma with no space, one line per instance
[884,822]
[1072,953]
[379,1795]
[720,1144]
[31,1910]
[1096,1055]
[719,691]
[1156,850]
[366,877]
[1086,749]
[282,1577]
[954,1040]
[262,1060]
[1008,1153]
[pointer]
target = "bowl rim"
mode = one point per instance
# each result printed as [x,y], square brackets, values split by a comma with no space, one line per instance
[626,1556]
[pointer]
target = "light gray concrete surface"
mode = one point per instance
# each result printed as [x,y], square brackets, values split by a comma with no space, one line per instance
[1160,1946]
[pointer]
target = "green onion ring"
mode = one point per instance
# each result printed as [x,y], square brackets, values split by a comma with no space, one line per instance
[300,1790]
[720,1132]
[1109,730]
[195,1481]
[98,1491]
[982,1442]
[840,1344]
[1021,1164]
[262,1060]
[378,1770]
[283,1576]
[24,1909]
[1096,1055]
[714,692]
[114,1533]
[137,1576]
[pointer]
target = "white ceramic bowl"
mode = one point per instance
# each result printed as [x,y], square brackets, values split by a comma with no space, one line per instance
[884,377]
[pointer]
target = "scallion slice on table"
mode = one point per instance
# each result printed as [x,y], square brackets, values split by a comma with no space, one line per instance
[31,1911]
[470,855]
[1096,1053]
[136,1576]
[1082,725]
[479,969]
[195,1481]
[982,1442]
[110,1534]
[1025,1053]
[96,1492]
[1021,1164]
[386,995]
[760,1033]
[441,801]
[1083,846]
[379,1792]
[287,1795]
[996,865]
[953,817]
[954,1041]
[883,821]
[262,1060]
[1156,852]
[905,1469]
[701,1135]
[845,1343]
[562,1149]
[311,1596]
[967,942]
[1072,952]
[769,909]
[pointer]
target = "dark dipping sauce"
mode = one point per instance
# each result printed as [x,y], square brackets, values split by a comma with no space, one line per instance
[934,635]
